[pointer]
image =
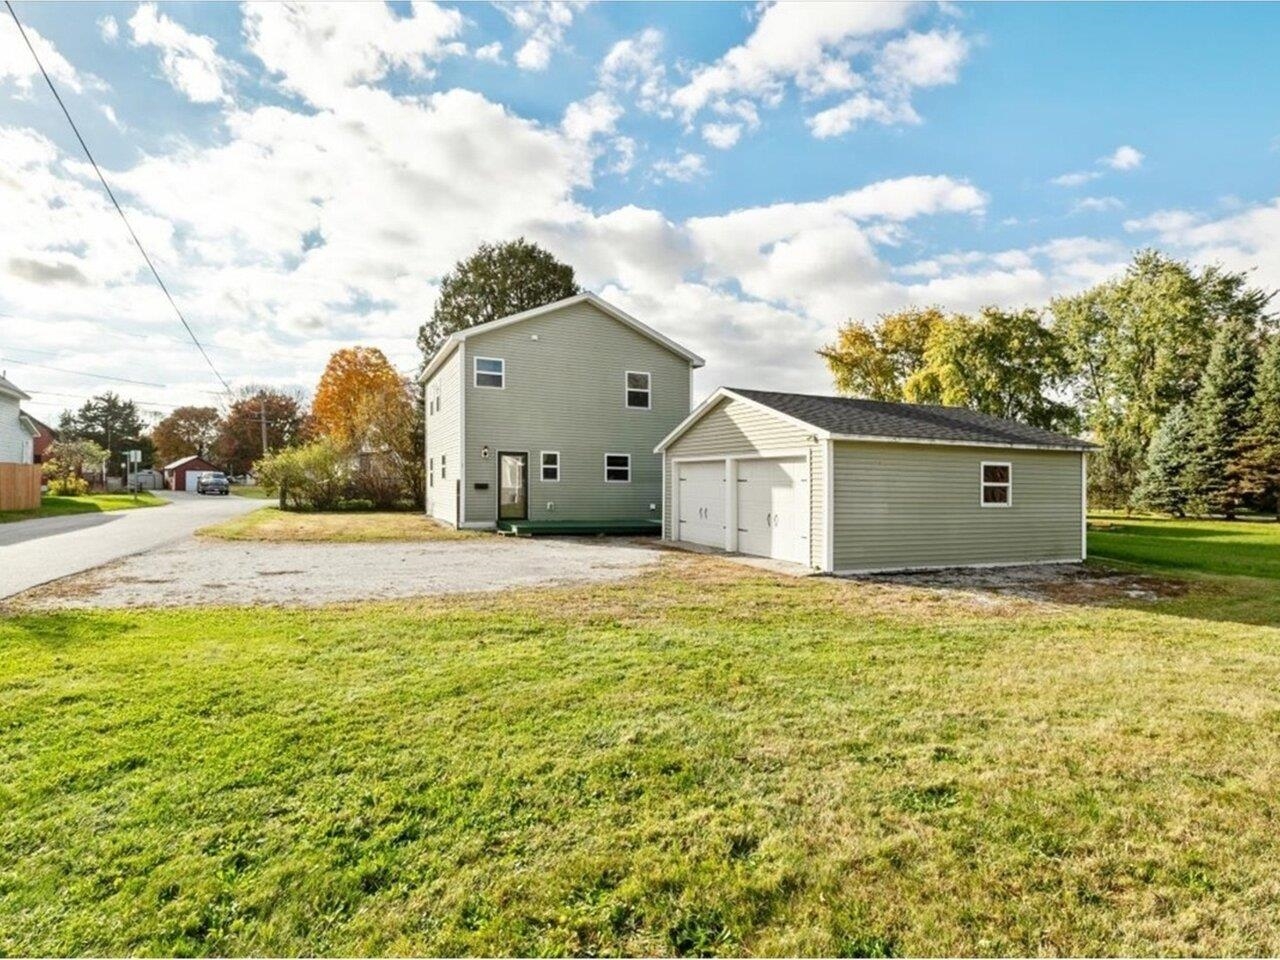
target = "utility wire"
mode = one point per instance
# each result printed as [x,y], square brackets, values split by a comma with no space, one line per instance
[116,203]
[81,373]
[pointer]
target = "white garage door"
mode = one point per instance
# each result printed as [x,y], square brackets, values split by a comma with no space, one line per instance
[773,508]
[193,477]
[701,502]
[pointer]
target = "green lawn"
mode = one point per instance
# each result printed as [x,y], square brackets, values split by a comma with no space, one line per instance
[353,526]
[253,493]
[1248,548]
[93,503]
[711,759]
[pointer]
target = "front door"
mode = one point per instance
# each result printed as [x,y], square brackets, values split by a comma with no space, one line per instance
[513,486]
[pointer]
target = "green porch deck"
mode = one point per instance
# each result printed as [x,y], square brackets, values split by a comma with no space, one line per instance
[580,528]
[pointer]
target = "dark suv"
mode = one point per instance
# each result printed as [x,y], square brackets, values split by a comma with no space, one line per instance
[211,482]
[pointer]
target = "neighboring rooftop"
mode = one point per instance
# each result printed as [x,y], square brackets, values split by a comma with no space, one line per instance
[8,388]
[848,417]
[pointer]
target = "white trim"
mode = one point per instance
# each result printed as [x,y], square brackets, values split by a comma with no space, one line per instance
[828,505]
[665,467]
[871,571]
[606,467]
[443,352]
[983,483]
[460,507]
[1084,507]
[981,444]
[542,465]
[779,454]
[627,388]
[476,372]
[722,393]
[731,504]
[603,305]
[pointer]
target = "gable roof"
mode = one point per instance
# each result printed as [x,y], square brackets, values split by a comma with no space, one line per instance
[452,341]
[9,389]
[186,460]
[846,418]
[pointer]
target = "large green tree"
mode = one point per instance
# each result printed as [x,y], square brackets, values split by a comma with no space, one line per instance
[876,360]
[1166,484]
[113,424]
[1220,416]
[1258,463]
[240,442]
[1137,347]
[499,279]
[186,431]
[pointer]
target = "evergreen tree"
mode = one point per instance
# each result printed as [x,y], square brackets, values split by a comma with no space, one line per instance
[1221,415]
[1166,484]
[1258,466]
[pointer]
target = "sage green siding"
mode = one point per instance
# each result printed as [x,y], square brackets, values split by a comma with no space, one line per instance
[444,439]
[901,505]
[733,427]
[565,391]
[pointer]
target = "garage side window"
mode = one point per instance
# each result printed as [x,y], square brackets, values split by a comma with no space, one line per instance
[431,471]
[617,468]
[550,466]
[491,372]
[443,466]
[639,394]
[997,484]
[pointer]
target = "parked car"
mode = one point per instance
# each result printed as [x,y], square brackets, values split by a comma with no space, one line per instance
[211,482]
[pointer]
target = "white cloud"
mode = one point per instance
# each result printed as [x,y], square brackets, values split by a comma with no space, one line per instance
[1169,222]
[492,52]
[924,59]
[18,67]
[624,149]
[584,119]
[721,135]
[544,22]
[1076,179]
[109,29]
[686,167]
[1124,158]
[190,61]
[1247,240]
[839,120]
[634,66]
[321,49]
[1096,205]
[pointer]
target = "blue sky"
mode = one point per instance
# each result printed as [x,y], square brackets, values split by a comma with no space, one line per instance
[743,177]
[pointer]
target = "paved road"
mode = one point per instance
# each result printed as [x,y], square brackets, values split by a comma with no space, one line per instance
[33,552]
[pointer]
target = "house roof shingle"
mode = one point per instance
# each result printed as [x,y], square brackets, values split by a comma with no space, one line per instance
[849,417]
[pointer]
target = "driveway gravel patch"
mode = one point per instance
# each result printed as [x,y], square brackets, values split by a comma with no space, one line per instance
[204,572]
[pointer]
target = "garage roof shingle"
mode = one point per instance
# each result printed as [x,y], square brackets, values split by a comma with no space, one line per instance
[848,417]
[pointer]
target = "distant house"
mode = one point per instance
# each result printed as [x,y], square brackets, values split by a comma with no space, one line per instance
[183,474]
[43,437]
[17,436]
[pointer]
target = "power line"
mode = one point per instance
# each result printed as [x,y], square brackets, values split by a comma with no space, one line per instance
[85,396]
[81,373]
[116,203]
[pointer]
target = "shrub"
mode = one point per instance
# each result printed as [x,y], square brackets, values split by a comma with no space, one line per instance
[316,476]
[68,486]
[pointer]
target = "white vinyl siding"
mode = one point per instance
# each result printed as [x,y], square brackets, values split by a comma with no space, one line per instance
[444,427]
[15,441]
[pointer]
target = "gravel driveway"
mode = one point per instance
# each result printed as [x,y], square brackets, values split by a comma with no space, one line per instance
[201,572]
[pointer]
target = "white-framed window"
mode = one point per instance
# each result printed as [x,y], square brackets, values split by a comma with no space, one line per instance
[639,391]
[431,471]
[617,468]
[550,466]
[491,372]
[443,459]
[434,405]
[997,484]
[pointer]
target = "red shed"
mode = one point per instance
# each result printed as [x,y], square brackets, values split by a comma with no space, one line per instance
[182,474]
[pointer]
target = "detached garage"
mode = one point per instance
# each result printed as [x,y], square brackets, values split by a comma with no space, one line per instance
[856,486]
[185,473]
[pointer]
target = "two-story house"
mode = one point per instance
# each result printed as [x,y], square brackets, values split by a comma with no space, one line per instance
[17,432]
[552,416]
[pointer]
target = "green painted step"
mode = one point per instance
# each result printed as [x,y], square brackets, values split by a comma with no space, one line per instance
[580,528]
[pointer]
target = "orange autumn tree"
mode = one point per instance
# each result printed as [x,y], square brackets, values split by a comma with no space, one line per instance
[353,377]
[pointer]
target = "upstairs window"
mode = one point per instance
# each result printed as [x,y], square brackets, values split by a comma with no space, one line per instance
[491,372]
[997,484]
[638,392]
[431,471]
[617,468]
[550,466]
[443,459]
[434,405]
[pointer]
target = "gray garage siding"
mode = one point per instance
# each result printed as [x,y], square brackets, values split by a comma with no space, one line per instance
[734,427]
[917,505]
[565,392]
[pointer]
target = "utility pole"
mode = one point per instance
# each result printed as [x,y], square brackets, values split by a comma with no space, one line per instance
[262,408]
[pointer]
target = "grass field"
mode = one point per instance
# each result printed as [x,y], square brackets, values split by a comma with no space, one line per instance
[253,493]
[271,523]
[710,759]
[1249,548]
[94,503]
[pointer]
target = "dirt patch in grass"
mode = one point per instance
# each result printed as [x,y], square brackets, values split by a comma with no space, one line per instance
[1070,583]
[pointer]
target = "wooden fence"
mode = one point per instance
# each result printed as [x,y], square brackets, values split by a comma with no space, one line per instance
[19,486]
